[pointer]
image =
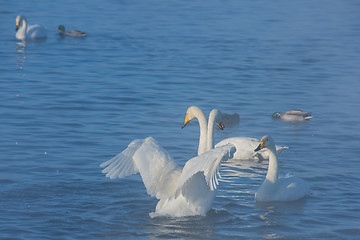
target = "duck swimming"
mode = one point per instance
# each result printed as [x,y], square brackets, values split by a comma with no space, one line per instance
[292,116]
[70,33]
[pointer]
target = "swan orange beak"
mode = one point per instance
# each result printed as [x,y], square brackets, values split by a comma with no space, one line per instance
[186,121]
[220,125]
[261,146]
[17,25]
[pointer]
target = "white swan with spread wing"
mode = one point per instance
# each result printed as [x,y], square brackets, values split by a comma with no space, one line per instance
[181,192]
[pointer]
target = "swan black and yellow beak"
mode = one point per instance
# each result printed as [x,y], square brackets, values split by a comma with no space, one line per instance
[261,146]
[220,125]
[17,25]
[186,121]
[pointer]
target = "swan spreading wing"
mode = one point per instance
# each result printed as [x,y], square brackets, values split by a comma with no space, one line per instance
[122,165]
[208,164]
[157,169]
[182,192]
[159,172]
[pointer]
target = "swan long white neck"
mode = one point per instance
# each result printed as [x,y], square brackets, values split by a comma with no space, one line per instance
[210,135]
[21,33]
[203,132]
[210,130]
[24,22]
[272,174]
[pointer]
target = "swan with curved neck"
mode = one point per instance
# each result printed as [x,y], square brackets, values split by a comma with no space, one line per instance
[195,112]
[215,119]
[25,32]
[245,146]
[275,188]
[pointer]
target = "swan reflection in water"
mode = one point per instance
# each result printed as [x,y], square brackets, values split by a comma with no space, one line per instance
[21,50]
[187,227]
[21,56]
[276,214]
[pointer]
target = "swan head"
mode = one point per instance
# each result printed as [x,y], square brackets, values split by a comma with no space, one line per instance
[19,19]
[61,28]
[191,113]
[217,116]
[266,142]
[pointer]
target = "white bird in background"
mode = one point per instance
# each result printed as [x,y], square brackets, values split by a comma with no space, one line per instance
[181,192]
[25,32]
[244,146]
[295,116]
[275,188]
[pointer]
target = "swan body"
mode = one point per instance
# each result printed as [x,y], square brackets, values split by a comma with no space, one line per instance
[181,192]
[245,148]
[275,188]
[25,32]
[292,116]
[70,33]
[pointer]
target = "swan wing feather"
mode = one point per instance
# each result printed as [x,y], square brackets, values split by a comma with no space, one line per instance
[122,165]
[208,164]
[157,169]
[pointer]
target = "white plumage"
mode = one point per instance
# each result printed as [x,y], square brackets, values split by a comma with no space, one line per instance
[244,146]
[275,188]
[181,192]
[25,32]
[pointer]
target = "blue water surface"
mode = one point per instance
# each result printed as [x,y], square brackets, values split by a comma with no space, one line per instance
[69,104]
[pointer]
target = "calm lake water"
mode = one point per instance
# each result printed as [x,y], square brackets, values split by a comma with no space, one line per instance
[68,105]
